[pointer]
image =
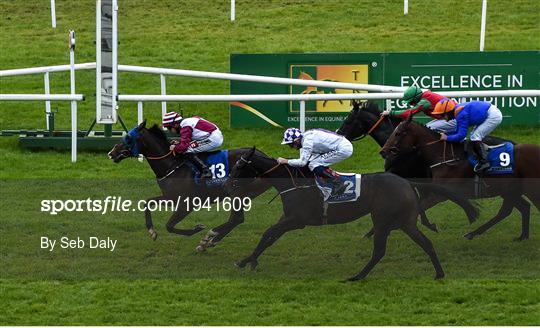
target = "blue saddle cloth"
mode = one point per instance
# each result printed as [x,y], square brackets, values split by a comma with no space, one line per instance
[351,193]
[501,159]
[218,163]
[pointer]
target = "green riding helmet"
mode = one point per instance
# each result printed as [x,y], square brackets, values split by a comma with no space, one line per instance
[412,95]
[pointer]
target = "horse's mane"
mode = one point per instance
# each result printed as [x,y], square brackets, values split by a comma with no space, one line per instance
[157,132]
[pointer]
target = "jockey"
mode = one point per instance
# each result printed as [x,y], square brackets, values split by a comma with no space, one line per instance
[318,149]
[423,101]
[197,135]
[481,114]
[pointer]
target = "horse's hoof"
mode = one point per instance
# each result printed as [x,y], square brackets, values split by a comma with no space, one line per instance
[200,249]
[439,276]
[521,238]
[199,227]
[469,235]
[153,234]
[253,264]
[434,228]
[240,264]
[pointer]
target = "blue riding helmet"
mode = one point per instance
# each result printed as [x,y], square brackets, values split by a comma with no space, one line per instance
[290,135]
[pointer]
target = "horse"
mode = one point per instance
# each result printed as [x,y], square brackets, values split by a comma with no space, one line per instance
[175,178]
[449,166]
[297,187]
[365,119]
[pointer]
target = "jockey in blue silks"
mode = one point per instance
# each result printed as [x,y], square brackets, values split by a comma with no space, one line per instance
[481,114]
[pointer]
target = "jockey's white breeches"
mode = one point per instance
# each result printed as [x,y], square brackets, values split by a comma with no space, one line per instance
[343,151]
[443,126]
[212,142]
[493,119]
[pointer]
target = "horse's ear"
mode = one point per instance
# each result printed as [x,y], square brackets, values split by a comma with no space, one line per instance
[142,125]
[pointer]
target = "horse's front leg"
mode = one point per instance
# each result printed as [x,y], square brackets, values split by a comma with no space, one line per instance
[270,236]
[148,217]
[215,235]
[178,216]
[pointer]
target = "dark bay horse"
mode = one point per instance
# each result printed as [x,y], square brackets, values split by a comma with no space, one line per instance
[365,119]
[297,189]
[175,178]
[449,166]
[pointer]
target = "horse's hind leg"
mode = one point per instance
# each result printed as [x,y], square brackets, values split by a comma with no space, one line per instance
[380,236]
[524,207]
[505,210]
[216,234]
[419,238]
[176,218]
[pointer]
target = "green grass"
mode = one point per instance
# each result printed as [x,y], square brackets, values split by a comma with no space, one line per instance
[490,280]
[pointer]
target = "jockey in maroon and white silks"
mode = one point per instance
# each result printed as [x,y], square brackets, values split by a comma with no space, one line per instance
[197,135]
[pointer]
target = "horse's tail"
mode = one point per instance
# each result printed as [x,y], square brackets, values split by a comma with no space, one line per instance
[470,209]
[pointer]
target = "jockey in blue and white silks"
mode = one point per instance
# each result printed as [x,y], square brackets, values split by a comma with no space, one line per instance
[484,116]
[319,149]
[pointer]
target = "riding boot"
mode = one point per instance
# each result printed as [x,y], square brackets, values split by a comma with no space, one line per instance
[338,187]
[481,153]
[205,172]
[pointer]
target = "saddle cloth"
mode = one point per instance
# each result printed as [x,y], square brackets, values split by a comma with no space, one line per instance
[350,194]
[500,157]
[218,164]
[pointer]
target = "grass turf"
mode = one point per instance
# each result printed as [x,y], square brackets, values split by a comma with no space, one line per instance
[490,280]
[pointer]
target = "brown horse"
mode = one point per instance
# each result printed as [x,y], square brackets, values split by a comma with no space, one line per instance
[449,166]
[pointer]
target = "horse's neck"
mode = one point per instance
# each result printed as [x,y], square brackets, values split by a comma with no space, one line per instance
[162,166]
[381,132]
[434,151]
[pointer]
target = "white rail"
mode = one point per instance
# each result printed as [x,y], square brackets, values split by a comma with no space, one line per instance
[260,79]
[308,97]
[40,97]
[45,69]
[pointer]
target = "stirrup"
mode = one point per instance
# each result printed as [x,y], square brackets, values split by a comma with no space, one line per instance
[481,167]
[206,174]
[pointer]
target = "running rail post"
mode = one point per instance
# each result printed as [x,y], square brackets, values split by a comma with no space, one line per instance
[302,116]
[53,14]
[163,92]
[73,102]
[405,7]
[483,25]
[47,102]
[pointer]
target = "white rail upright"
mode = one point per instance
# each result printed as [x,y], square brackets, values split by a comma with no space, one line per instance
[405,7]
[163,92]
[302,116]
[53,14]
[73,102]
[47,102]
[233,10]
[483,25]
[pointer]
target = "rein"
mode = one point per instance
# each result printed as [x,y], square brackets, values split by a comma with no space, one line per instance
[371,129]
[161,157]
